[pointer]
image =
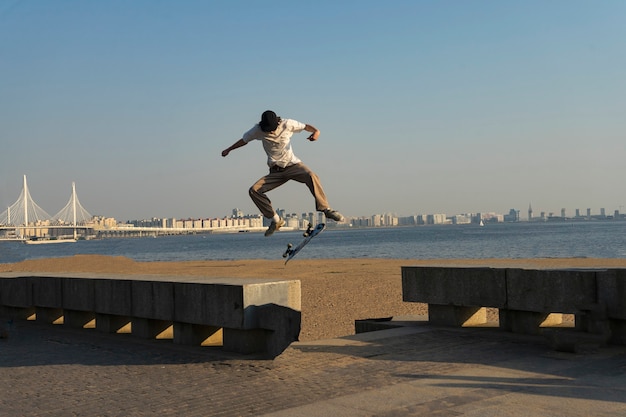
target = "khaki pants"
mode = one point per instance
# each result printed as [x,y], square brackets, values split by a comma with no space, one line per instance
[277,177]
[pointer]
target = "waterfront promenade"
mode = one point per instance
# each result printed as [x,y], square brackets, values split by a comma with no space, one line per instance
[411,371]
[51,370]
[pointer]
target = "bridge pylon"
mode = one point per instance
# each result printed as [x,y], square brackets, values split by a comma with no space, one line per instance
[73,213]
[24,211]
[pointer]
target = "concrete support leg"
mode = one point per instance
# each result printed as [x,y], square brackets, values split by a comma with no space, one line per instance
[110,323]
[246,341]
[448,315]
[593,319]
[528,322]
[618,331]
[18,313]
[79,319]
[283,325]
[571,340]
[152,329]
[197,334]
[49,315]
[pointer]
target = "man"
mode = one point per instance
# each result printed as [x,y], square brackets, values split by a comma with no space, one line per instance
[275,134]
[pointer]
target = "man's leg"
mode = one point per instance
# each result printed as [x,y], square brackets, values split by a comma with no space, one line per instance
[303,174]
[262,186]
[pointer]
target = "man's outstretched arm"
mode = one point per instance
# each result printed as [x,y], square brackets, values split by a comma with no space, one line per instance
[234,146]
[315,133]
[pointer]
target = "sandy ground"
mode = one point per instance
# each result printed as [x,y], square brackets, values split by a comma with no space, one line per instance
[335,292]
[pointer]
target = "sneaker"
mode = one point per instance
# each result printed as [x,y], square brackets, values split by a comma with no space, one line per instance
[274,227]
[333,215]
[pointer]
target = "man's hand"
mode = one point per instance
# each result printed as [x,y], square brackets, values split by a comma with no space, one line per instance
[234,146]
[315,133]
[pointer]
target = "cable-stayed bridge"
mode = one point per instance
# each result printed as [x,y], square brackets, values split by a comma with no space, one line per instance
[24,220]
[25,216]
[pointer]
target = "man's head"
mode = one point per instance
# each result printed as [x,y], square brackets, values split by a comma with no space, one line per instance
[269,121]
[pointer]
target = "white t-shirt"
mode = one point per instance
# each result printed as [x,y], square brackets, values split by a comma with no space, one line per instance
[277,144]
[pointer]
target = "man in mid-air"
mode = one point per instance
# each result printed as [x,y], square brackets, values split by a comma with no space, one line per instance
[275,134]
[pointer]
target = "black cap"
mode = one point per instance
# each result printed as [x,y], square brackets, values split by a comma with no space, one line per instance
[269,121]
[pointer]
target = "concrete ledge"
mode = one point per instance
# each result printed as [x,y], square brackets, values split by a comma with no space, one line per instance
[241,315]
[611,287]
[484,287]
[529,301]
[564,291]
[453,315]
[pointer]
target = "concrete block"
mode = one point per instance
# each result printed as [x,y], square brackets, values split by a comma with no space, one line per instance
[458,316]
[220,305]
[152,329]
[527,322]
[593,319]
[111,323]
[197,334]
[48,292]
[550,291]
[284,324]
[618,331]
[49,315]
[153,300]
[18,313]
[612,292]
[113,297]
[79,294]
[16,292]
[226,305]
[569,340]
[261,316]
[267,294]
[484,287]
[246,341]
[79,319]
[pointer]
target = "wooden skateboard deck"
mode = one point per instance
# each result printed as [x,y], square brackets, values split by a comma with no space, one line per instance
[309,234]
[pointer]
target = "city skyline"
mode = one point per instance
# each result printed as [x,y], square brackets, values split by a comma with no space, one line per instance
[446,106]
[562,212]
[542,215]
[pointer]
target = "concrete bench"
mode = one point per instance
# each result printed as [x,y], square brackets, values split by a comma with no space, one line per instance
[241,315]
[528,301]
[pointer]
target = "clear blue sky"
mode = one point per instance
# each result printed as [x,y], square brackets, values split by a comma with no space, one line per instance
[423,106]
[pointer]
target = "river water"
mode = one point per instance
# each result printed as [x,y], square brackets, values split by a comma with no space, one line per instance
[592,239]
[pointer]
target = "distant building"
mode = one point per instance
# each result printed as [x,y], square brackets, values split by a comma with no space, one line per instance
[461,219]
[513,216]
[436,219]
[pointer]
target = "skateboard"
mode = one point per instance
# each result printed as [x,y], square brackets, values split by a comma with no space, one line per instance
[309,234]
